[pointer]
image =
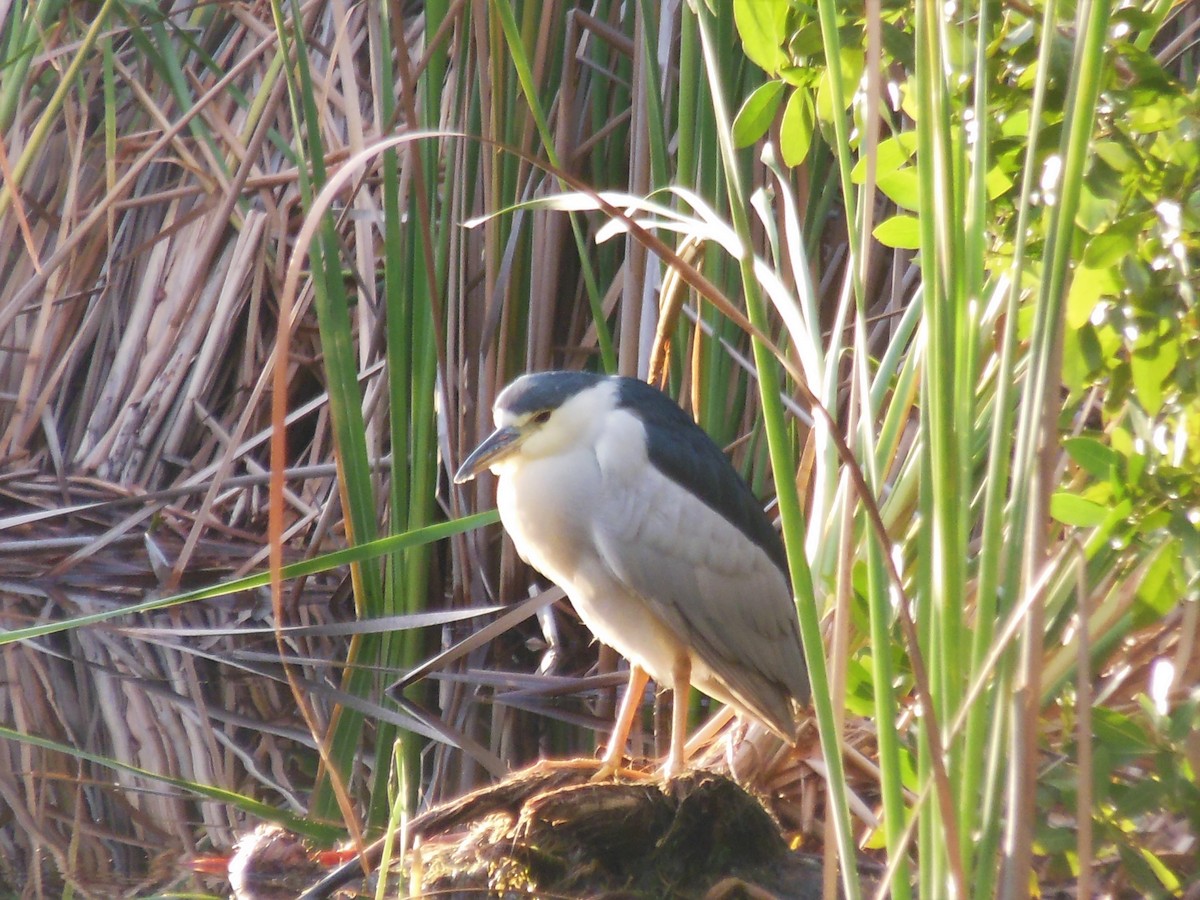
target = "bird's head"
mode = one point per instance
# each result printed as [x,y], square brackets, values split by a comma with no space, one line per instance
[539,415]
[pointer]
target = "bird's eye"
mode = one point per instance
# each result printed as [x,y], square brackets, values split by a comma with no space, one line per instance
[541,417]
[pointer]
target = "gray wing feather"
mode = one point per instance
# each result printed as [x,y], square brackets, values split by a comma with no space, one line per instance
[715,589]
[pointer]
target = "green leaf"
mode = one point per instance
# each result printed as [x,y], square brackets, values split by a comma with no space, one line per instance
[1160,588]
[898,182]
[762,25]
[890,155]
[898,44]
[1100,492]
[1093,457]
[1159,115]
[1119,734]
[1015,125]
[1182,721]
[1136,19]
[1087,287]
[1158,521]
[1115,155]
[998,182]
[757,113]
[806,41]
[1080,357]
[902,187]
[1115,243]
[860,691]
[1100,199]
[851,69]
[1071,509]
[1150,367]
[1162,872]
[796,129]
[1177,148]
[900,231]
[797,76]
[1152,80]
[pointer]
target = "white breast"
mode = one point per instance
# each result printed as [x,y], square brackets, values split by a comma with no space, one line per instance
[548,506]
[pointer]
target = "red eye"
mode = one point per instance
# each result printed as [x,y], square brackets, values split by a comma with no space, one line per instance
[541,418]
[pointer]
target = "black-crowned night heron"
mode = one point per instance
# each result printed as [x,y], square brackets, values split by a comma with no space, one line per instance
[609,489]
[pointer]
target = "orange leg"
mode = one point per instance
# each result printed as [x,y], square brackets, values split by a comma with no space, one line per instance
[681,683]
[620,734]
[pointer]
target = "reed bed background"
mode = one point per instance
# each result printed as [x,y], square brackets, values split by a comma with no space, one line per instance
[937,297]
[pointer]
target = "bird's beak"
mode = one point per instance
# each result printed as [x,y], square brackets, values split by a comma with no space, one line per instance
[494,448]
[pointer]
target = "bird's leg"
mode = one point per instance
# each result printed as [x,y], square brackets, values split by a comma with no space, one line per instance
[680,684]
[620,733]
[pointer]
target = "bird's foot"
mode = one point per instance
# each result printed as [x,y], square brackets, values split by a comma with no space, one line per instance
[676,763]
[612,770]
[672,769]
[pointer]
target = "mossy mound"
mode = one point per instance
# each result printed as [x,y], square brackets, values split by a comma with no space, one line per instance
[550,832]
